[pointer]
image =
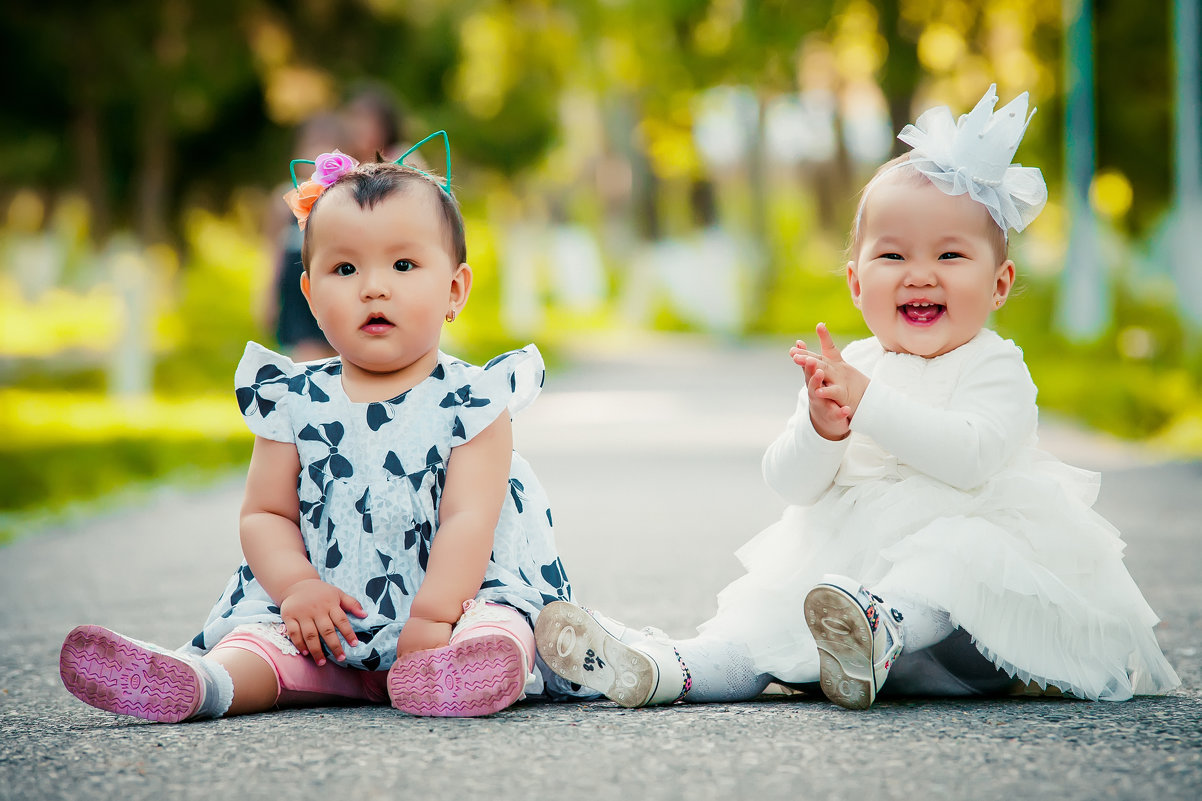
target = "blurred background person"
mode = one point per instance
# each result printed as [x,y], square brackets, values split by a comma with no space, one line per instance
[285,309]
[374,124]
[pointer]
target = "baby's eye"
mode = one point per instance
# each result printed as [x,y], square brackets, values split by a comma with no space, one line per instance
[893,256]
[344,269]
[403,265]
[951,254]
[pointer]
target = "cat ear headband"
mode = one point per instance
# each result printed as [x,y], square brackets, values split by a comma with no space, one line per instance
[329,167]
[972,155]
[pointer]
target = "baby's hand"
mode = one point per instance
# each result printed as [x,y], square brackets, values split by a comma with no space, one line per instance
[422,634]
[834,386]
[313,614]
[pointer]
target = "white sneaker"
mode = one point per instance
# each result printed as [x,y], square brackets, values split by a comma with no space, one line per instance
[857,644]
[623,664]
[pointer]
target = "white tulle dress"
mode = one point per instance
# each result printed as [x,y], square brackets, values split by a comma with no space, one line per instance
[941,492]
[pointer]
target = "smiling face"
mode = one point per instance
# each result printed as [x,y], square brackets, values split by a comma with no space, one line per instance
[380,282]
[926,271]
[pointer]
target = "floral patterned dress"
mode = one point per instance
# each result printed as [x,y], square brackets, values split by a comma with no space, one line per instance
[371,479]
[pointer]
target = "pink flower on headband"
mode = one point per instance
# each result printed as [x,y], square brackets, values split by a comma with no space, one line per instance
[329,167]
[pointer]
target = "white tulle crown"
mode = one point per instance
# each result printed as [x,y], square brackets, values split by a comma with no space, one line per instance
[973,155]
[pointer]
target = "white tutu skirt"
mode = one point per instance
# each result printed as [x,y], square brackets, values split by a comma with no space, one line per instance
[1023,564]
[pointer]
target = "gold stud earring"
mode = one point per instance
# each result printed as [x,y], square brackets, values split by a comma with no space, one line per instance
[450,318]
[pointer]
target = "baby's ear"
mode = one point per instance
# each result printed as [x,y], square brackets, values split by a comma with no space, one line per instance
[305,287]
[853,283]
[1005,282]
[461,284]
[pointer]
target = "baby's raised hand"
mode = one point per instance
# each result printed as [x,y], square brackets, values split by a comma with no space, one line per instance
[313,613]
[834,386]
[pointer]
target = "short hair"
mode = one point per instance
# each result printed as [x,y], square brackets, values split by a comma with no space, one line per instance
[368,184]
[898,166]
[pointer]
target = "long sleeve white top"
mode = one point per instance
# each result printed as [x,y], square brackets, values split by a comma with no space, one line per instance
[958,418]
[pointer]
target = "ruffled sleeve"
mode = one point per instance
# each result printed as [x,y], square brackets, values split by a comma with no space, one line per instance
[510,381]
[261,384]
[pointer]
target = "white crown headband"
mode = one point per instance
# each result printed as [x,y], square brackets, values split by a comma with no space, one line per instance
[972,155]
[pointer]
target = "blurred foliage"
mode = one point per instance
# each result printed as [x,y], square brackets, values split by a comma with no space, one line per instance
[149,106]
[71,445]
[154,125]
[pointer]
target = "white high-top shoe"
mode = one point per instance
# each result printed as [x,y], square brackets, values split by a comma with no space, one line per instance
[633,668]
[858,640]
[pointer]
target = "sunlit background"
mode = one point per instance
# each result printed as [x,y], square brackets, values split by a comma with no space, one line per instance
[624,166]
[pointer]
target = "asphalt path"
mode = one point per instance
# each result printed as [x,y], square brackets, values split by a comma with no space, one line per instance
[651,457]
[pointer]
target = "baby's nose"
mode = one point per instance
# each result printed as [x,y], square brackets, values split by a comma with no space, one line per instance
[920,275]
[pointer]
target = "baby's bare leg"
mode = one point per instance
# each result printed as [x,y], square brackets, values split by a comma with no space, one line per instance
[256,688]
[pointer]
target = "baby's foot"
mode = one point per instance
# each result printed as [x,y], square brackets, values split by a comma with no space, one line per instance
[858,640]
[129,677]
[630,668]
[471,677]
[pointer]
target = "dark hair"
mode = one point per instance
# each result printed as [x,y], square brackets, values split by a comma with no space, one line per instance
[369,184]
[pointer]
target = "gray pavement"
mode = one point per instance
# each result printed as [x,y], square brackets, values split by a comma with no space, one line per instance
[652,464]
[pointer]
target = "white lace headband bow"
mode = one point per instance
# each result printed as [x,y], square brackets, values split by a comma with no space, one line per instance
[972,155]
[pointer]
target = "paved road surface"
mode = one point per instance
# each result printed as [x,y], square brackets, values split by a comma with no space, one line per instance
[652,464]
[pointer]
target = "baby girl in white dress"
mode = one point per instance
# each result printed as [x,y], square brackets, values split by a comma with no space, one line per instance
[911,468]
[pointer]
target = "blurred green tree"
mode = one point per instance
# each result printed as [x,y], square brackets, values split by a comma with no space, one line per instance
[146,105]
[120,90]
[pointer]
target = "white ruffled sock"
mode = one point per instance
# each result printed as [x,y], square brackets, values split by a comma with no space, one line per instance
[721,670]
[922,625]
[219,688]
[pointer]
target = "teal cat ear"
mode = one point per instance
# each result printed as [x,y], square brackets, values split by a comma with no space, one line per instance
[292,169]
[446,145]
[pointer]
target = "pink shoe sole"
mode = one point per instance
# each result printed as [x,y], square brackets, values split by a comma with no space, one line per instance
[473,677]
[108,671]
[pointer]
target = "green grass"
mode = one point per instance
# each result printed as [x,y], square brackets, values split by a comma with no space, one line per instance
[50,483]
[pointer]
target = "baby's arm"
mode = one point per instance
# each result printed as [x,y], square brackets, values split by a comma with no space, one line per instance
[275,551]
[800,464]
[991,414]
[477,480]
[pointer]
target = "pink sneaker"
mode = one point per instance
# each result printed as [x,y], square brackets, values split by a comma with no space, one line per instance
[476,676]
[118,674]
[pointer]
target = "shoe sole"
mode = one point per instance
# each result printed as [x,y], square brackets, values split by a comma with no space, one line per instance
[108,671]
[576,647]
[844,641]
[474,677]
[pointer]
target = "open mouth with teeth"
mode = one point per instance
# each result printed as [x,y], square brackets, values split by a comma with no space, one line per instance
[921,312]
[377,324]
